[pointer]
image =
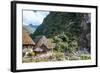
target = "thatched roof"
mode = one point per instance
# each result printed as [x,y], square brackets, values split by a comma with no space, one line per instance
[26,39]
[42,40]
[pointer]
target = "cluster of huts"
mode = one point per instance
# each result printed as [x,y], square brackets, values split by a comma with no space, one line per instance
[40,45]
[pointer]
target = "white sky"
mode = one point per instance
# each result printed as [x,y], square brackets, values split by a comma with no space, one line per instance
[34,17]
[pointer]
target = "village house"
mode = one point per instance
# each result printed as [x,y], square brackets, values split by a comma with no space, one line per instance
[40,46]
[43,45]
[28,43]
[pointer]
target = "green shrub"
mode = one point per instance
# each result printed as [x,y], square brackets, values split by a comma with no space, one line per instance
[85,57]
[59,56]
[29,54]
[33,53]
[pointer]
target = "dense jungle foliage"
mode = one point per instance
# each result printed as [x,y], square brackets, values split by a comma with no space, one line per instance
[70,31]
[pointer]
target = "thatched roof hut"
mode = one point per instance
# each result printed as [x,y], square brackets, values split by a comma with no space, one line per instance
[43,41]
[26,39]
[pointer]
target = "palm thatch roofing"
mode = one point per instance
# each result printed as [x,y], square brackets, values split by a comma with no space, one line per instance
[42,40]
[26,39]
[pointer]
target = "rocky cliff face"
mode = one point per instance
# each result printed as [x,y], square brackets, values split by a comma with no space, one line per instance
[85,36]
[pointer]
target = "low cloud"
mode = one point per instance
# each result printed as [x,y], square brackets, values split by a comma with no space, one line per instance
[34,17]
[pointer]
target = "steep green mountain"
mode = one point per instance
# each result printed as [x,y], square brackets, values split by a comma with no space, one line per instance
[65,28]
[58,22]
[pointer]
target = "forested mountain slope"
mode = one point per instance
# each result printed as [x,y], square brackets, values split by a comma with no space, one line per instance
[70,31]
